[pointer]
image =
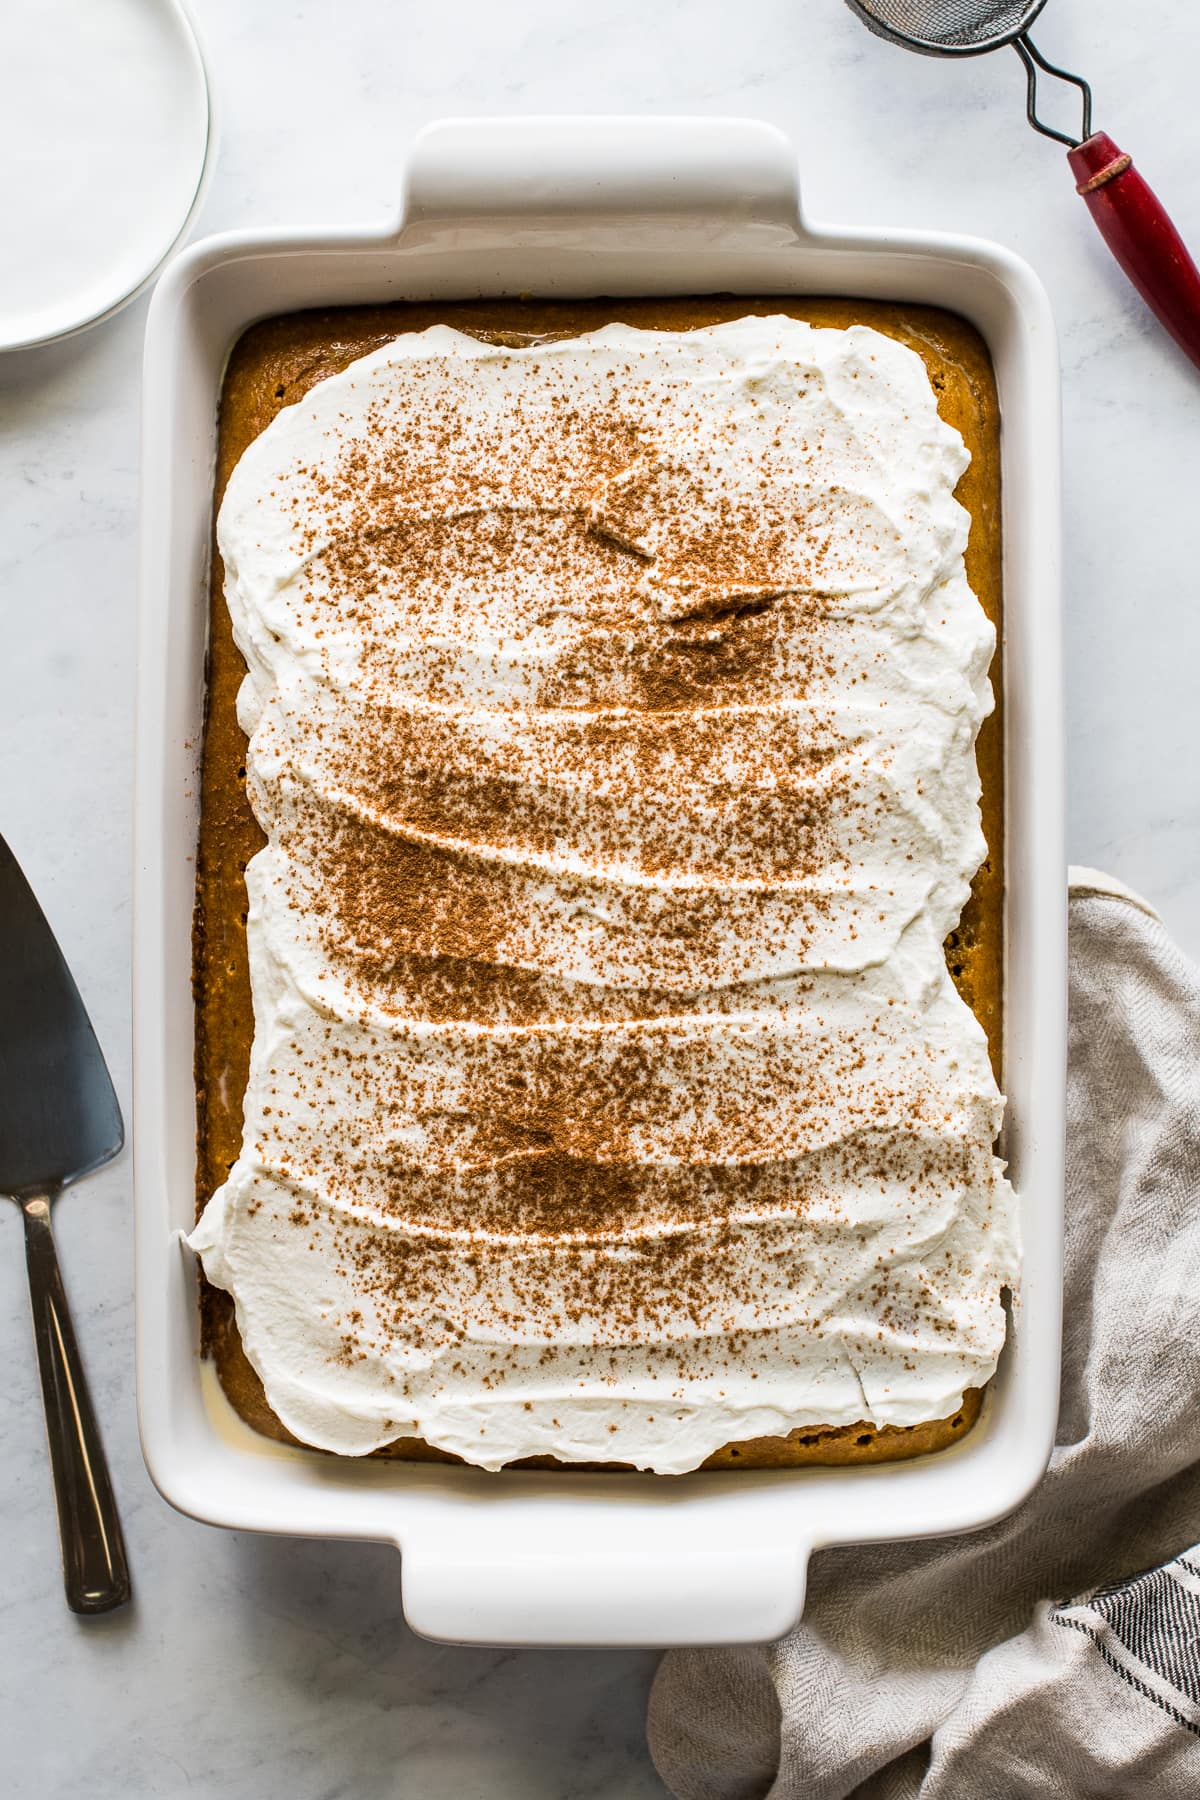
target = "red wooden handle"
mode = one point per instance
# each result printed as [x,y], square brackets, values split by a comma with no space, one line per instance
[1137,230]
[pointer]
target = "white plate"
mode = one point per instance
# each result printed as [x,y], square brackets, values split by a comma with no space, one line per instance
[105,141]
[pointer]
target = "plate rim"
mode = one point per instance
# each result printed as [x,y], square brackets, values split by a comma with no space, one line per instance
[191,41]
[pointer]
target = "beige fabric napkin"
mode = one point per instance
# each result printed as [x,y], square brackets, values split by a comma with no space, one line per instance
[1057,1653]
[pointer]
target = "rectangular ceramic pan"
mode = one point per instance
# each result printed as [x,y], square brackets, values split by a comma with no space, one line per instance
[580,207]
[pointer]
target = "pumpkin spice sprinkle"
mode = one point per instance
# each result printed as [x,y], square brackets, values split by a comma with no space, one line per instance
[612,707]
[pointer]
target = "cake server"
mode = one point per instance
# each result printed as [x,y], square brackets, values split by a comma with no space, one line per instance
[1132,220]
[59,1120]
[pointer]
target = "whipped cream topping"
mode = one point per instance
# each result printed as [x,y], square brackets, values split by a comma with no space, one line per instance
[612,706]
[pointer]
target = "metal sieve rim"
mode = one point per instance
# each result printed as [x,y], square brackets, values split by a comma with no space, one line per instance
[883,18]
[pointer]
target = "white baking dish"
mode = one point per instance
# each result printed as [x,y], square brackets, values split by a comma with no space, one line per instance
[585,207]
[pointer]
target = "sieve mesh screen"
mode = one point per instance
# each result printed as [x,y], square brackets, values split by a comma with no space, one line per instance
[949,24]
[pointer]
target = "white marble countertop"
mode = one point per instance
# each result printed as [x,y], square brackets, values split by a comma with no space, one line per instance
[255,1667]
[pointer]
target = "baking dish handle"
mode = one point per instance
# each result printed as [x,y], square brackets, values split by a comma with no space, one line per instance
[736,171]
[655,1596]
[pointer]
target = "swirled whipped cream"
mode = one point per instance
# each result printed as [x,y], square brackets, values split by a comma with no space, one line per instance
[612,707]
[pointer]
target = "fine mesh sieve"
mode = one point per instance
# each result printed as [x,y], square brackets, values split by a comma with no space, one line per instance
[1132,221]
[949,27]
[969,28]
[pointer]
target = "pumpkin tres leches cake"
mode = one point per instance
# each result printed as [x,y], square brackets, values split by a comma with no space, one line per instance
[602,1091]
